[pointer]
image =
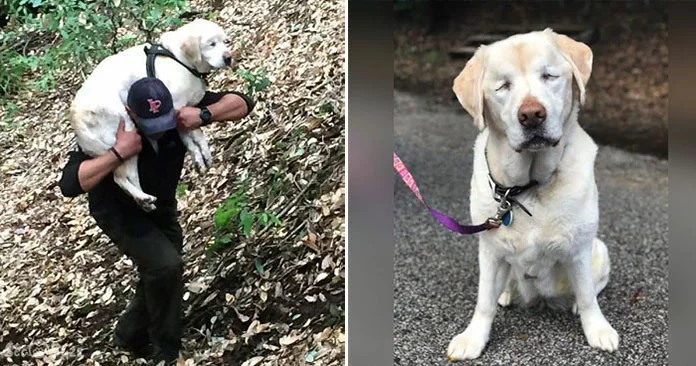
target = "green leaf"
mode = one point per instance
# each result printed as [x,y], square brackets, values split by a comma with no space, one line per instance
[181,189]
[310,356]
[222,217]
[263,218]
[334,310]
[259,266]
[247,220]
[298,152]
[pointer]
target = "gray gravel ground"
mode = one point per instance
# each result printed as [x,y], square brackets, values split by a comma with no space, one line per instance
[436,270]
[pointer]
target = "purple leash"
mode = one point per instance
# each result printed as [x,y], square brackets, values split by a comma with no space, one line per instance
[446,221]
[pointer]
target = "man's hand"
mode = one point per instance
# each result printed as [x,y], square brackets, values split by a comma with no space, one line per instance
[188,118]
[127,142]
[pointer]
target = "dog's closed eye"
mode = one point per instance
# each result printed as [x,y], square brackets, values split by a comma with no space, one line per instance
[505,86]
[546,76]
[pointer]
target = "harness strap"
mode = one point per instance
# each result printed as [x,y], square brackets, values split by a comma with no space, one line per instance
[155,50]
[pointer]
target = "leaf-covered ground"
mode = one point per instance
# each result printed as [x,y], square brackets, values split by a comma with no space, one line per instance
[274,297]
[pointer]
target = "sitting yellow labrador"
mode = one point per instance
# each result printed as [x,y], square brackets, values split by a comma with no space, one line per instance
[534,166]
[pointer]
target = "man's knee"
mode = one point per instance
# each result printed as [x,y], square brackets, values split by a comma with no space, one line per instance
[168,267]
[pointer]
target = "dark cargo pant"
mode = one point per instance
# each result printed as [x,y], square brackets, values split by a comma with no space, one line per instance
[154,242]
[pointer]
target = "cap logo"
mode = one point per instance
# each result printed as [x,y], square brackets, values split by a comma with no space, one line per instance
[154,105]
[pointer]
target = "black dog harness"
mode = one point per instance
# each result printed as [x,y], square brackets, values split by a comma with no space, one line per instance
[155,50]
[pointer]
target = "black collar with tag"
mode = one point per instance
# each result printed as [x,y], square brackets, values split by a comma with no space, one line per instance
[506,196]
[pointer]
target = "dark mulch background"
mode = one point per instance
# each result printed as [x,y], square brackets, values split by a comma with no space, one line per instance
[627,93]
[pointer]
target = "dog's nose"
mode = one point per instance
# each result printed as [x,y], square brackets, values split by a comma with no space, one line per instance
[227,57]
[531,113]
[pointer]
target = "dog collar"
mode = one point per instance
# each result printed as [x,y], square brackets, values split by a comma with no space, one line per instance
[506,197]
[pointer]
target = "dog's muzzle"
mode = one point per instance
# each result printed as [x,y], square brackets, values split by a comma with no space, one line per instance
[227,57]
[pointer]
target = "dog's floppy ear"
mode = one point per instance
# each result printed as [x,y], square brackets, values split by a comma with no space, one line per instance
[467,86]
[580,57]
[191,47]
[185,39]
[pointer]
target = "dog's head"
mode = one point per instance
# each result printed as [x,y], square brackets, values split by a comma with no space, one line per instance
[203,44]
[523,87]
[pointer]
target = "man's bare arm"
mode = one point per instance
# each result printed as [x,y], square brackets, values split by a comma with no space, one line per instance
[82,173]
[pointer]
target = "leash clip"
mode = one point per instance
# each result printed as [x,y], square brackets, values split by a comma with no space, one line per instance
[504,213]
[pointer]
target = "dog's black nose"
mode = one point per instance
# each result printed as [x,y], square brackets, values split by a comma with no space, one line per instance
[531,113]
[228,60]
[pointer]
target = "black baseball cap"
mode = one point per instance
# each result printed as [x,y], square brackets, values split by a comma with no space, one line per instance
[151,102]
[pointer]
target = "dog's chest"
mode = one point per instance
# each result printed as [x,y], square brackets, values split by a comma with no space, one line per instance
[531,241]
[531,252]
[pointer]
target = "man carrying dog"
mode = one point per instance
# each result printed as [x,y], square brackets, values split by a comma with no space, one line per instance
[151,326]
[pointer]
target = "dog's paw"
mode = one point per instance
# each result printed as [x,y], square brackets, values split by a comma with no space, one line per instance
[505,299]
[199,163]
[147,203]
[603,336]
[466,345]
[148,207]
[574,308]
[207,157]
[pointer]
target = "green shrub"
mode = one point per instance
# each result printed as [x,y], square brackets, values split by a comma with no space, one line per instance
[256,81]
[48,39]
[234,217]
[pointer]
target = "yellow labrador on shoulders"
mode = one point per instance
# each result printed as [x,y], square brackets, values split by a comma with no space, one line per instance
[100,103]
[524,93]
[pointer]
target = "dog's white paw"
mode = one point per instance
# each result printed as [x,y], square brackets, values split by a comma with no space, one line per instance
[146,202]
[603,336]
[574,309]
[505,299]
[466,345]
[207,157]
[199,163]
[148,207]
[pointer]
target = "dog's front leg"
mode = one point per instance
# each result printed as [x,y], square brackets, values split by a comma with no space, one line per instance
[598,331]
[199,139]
[193,148]
[493,275]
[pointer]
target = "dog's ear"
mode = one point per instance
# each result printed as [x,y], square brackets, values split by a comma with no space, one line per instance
[580,57]
[191,47]
[467,86]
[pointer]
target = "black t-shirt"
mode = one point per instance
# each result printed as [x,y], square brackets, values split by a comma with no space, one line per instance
[159,171]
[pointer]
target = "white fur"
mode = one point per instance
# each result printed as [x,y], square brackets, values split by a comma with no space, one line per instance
[100,102]
[557,246]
